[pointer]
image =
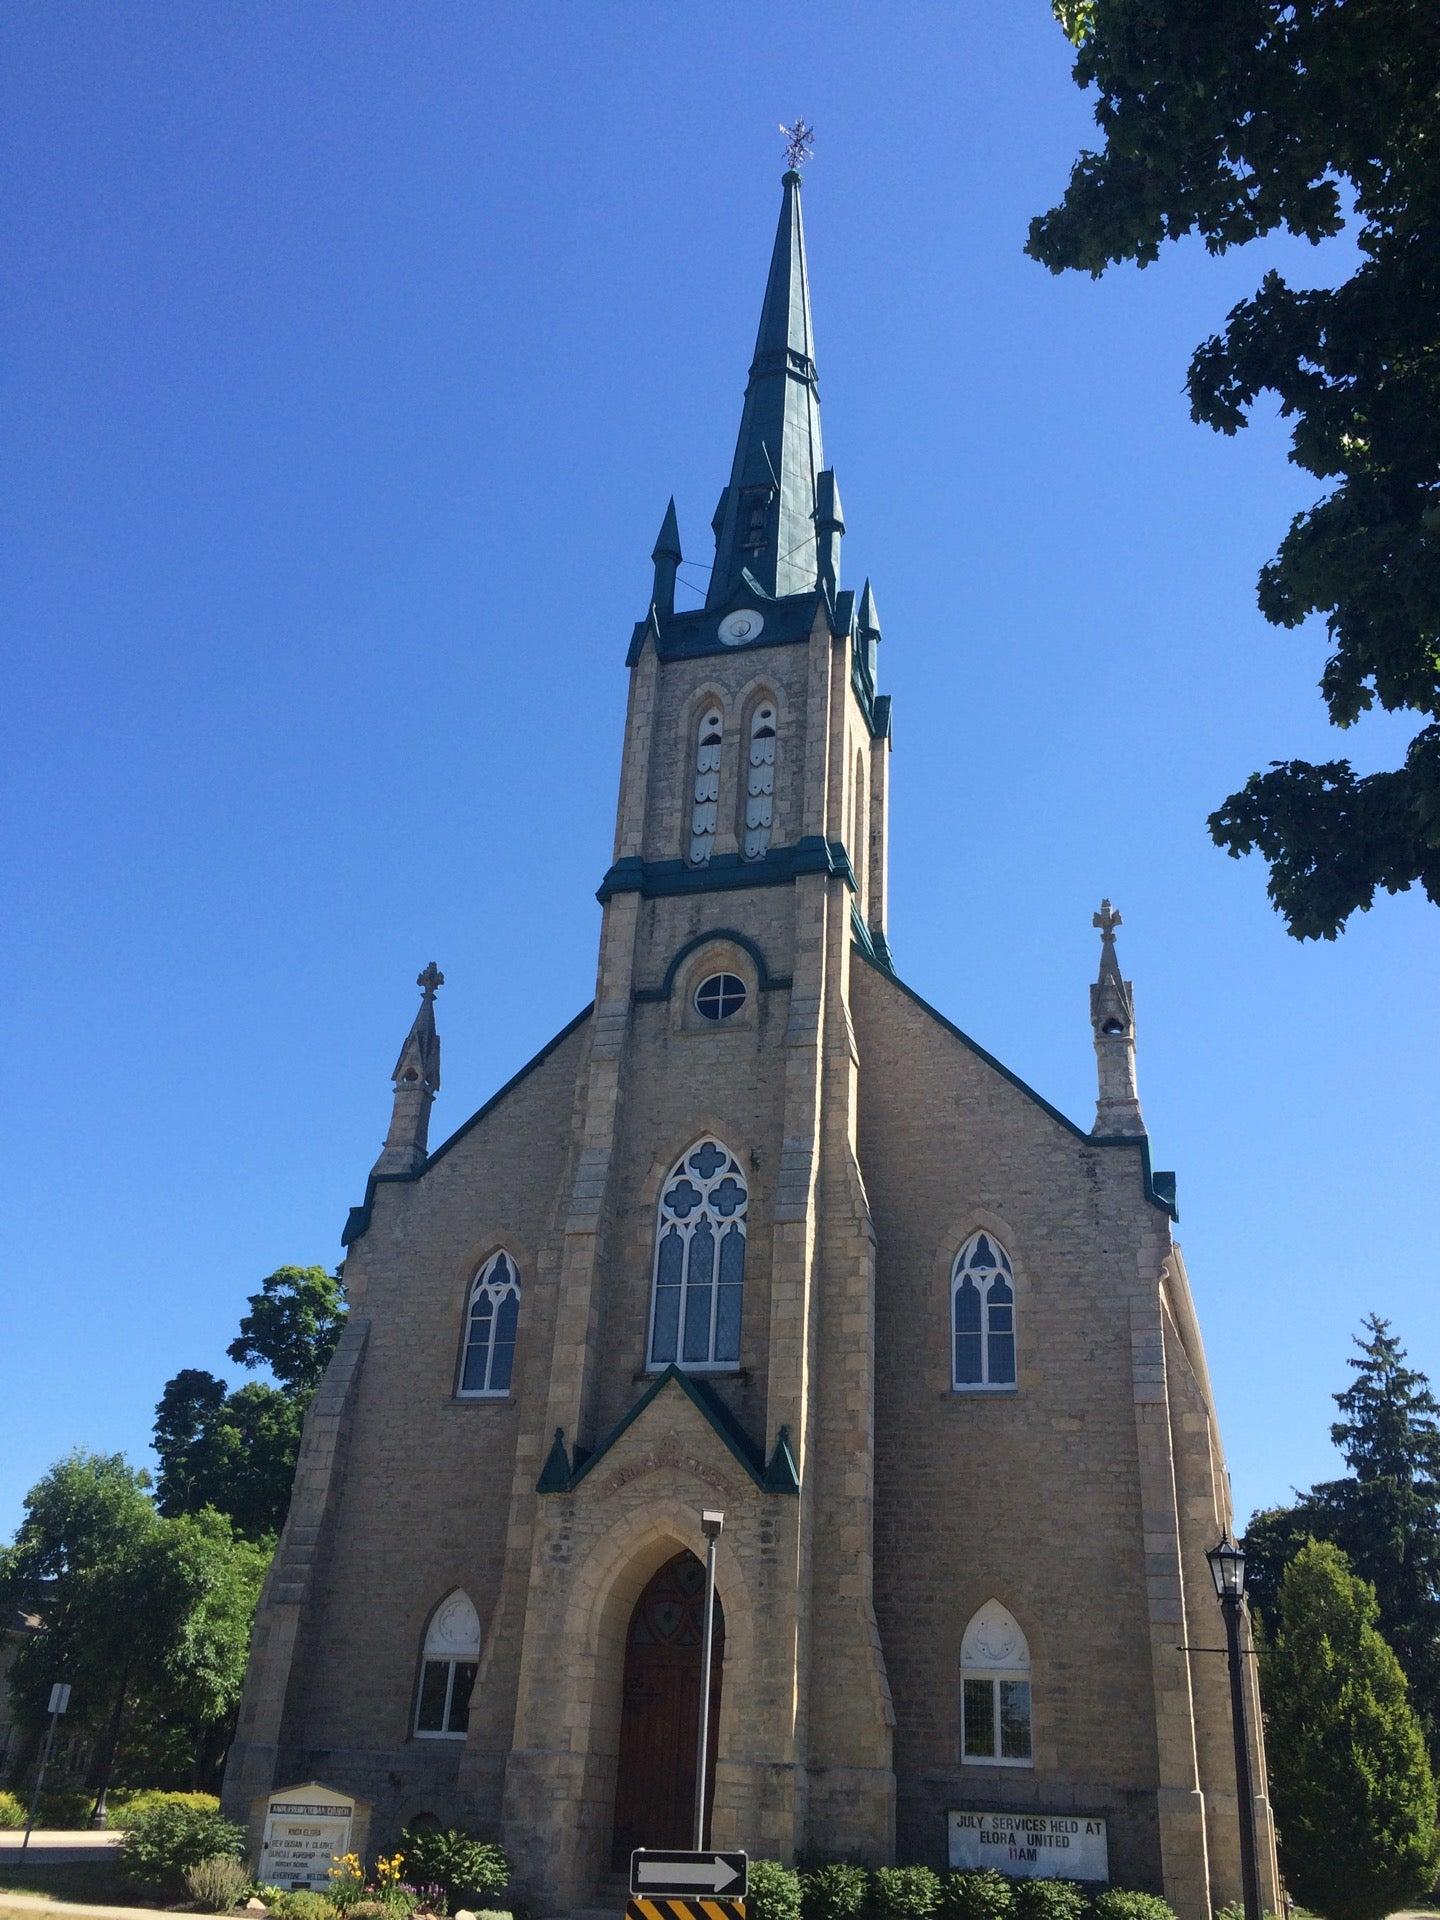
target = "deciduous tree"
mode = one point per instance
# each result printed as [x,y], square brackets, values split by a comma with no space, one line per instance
[1230,120]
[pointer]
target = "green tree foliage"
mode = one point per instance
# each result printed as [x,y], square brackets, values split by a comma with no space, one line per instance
[292,1326]
[1384,1515]
[147,1618]
[236,1451]
[1231,120]
[1354,1794]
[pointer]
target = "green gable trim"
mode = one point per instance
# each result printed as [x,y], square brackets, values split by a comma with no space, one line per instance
[701,1395]
[358,1220]
[766,981]
[874,946]
[727,872]
[1159,1187]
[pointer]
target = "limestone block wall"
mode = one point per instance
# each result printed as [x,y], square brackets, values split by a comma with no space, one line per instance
[426,1500]
[1031,1497]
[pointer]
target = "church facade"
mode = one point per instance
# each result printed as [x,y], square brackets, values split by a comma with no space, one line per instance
[761,1231]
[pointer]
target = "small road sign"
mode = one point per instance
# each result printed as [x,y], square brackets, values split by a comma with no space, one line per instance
[693,1875]
[59,1698]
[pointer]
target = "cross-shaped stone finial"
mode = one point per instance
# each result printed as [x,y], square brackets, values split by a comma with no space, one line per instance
[429,980]
[1107,919]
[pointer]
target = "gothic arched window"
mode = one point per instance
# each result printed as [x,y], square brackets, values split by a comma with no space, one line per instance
[491,1313]
[760,782]
[995,1691]
[705,804]
[982,1314]
[699,1280]
[447,1669]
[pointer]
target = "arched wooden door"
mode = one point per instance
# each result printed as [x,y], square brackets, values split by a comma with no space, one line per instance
[660,1711]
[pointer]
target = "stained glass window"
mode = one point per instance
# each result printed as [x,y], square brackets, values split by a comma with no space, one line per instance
[760,784]
[705,801]
[491,1316]
[699,1278]
[995,1691]
[719,996]
[982,1315]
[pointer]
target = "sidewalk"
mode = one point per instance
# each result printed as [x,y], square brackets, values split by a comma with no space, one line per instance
[42,1903]
[50,1846]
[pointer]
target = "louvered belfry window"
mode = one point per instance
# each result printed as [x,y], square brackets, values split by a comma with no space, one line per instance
[760,783]
[705,801]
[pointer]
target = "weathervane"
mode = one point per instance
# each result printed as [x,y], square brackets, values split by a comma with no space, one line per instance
[799,143]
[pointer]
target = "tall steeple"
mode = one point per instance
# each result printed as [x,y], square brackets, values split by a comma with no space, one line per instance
[417,1081]
[765,522]
[1112,1017]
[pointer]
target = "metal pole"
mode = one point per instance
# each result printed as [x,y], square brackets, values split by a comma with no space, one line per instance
[702,1751]
[40,1778]
[1244,1787]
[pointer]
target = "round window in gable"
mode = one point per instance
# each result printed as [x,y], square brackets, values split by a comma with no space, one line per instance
[720,996]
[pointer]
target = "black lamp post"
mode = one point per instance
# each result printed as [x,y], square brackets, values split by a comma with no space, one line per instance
[1227,1569]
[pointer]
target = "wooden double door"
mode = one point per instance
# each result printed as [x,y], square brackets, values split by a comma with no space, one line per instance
[660,1711]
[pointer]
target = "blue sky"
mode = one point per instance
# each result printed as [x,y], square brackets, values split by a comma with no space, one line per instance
[352,355]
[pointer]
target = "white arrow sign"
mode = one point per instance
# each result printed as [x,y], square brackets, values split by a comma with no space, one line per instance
[710,1873]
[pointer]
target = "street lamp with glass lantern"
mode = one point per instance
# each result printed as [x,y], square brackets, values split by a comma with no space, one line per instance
[1227,1570]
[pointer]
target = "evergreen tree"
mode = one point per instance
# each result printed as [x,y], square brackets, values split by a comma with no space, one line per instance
[1353,1791]
[1385,1515]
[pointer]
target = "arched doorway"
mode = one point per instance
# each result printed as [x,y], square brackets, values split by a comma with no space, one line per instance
[660,1711]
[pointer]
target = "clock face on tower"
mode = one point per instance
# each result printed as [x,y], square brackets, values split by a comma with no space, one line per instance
[736,628]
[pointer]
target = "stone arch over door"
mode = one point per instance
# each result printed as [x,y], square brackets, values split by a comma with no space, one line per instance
[607,1583]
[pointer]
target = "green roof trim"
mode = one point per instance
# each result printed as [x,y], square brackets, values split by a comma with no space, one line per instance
[727,872]
[358,1220]
[1159,1187]
[780,1476]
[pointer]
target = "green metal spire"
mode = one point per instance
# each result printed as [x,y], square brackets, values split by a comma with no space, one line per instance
[869,619]
[667,557]
[765,523]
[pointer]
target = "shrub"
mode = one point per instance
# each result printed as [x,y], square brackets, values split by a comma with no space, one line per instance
[833,1892]
[904,1893]
[1050,1900]
[1235,1910]
[127,1805]
[162,1843]
[64,1809]
[299,1905]
[472,1872]
[1116,1904]
[774,1892]
[976,1896]
[12,1814]
[216,1884]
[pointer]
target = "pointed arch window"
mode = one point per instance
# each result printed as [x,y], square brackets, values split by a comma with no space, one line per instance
[982,1316]
[492,1313]
[995,1691]
[699,1278]
[760,782]
[448,1666]
[705,802]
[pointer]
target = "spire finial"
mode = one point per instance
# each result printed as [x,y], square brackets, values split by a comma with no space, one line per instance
[417,1081]
[1112,1020]
[1107,919]
[799,143]
[429,980]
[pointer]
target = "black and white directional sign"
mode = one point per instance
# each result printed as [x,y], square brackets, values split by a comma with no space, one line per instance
[708,1875]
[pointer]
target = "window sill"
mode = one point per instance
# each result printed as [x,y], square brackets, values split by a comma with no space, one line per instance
[418,1735]
[1010,1766]
[725,1372]
[476,1400]
[981,1387]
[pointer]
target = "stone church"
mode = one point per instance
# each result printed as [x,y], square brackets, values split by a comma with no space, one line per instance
[760,1230]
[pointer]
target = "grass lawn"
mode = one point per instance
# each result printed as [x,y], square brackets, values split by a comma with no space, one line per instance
[96,1882]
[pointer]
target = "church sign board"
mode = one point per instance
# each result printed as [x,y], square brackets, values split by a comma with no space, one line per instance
[306,1829]
[1031,1846]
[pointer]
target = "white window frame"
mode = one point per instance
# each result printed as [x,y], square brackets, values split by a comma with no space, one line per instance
[452,1640]
[665,1221]
[484,1282]
[995,1652]
[985,1276]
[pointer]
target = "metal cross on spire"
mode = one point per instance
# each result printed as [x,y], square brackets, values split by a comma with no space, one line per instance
[429,980]
[1107,919]
[799,142]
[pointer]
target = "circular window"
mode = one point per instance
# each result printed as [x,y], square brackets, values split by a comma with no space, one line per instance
[719,996]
